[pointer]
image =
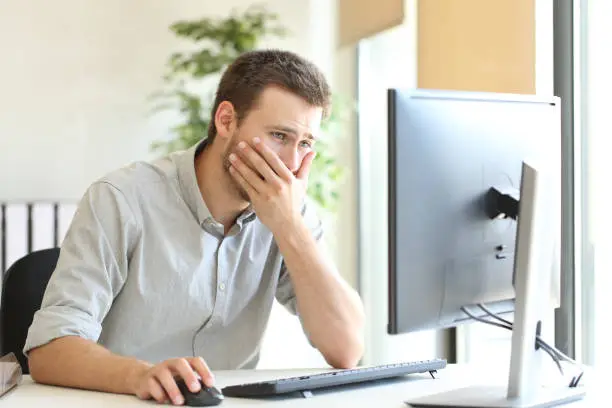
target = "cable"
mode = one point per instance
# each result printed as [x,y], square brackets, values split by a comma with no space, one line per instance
[539,341]
[508,326]
[493,315]
[553,352]
[480,319]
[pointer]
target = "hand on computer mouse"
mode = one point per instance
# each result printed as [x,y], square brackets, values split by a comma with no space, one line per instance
[159,382]
[207,396]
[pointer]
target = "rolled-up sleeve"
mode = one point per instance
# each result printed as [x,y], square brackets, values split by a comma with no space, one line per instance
[91,268]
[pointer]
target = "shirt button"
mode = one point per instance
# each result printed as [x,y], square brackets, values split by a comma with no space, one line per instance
[222,286]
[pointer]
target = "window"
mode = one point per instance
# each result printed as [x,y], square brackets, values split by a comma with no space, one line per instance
[595,83]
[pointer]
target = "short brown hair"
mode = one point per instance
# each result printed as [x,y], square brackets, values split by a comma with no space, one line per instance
[253,71]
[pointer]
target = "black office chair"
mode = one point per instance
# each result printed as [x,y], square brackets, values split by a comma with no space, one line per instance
[22,292]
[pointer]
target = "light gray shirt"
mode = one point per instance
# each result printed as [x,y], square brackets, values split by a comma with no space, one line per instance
[146,271]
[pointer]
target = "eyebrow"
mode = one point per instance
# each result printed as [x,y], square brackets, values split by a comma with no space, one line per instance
[291,130]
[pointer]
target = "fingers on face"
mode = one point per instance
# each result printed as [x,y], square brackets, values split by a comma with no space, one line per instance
[247,173]
[237,174]
[264,160]
[305,167]
[256,162]
[272,159]
[251,165]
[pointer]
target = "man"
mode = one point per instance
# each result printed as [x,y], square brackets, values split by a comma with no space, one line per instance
[169,269]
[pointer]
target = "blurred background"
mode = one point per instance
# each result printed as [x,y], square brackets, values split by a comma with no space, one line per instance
[88,86]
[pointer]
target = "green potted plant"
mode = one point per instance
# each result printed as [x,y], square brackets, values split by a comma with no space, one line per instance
[191,76]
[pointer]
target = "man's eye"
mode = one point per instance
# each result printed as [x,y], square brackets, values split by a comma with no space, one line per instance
[306,144]
[278,135]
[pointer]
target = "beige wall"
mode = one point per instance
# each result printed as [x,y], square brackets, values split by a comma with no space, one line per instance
[490,46]
[480,45]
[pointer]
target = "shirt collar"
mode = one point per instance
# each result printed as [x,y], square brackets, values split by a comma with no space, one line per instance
[191,191]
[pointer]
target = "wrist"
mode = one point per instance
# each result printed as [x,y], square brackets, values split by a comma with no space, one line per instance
[292,232]
[283,221]
[135,371]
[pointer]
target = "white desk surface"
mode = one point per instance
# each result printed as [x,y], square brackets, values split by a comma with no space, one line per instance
[378,395]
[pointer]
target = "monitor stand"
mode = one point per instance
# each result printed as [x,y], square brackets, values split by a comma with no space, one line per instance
[534,250]
[497,397]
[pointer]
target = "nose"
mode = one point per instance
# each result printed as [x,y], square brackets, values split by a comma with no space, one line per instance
[291,157]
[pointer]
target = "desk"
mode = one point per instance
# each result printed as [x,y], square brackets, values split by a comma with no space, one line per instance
[378,395]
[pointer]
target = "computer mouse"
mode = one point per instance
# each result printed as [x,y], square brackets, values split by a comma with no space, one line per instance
[206,397]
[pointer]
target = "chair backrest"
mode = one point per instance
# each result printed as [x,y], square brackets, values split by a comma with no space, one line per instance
[22,292]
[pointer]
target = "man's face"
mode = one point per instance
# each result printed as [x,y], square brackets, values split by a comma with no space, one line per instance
[284,122]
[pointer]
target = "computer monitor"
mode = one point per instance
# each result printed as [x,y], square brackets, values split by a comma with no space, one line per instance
[474,219]
[455,161]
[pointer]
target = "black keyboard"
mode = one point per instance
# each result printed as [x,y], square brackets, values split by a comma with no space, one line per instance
[332,378]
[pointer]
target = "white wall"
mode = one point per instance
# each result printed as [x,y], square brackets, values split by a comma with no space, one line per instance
[75,76]
[74,80]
